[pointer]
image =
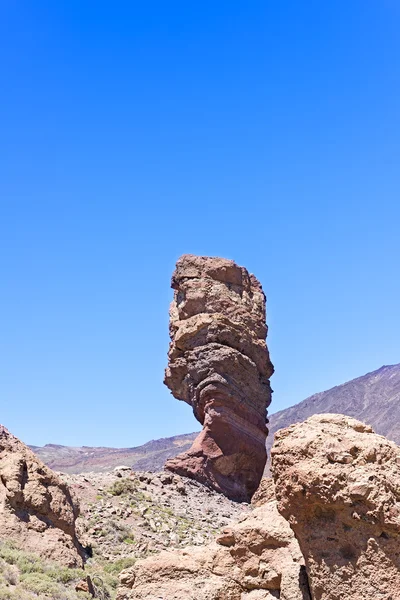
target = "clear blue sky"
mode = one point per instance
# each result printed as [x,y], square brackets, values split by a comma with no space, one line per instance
[133,132]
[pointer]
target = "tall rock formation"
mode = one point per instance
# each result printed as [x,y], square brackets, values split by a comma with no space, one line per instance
[338,484]
[219,364]
[36,507]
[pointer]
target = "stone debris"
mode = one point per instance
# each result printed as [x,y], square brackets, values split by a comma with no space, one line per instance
[143,513]
[219,364]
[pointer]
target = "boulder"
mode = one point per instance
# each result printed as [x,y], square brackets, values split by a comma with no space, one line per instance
[219,364]
[37,510]
[338,484]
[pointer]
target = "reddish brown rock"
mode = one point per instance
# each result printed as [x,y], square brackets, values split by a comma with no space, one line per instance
[219,364]
[36,507]
[338,484]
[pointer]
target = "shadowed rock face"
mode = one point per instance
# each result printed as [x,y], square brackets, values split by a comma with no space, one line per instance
[219,364]
[36,507]
[338,484]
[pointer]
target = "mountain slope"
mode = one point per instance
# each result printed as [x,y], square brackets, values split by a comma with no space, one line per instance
[149,457]
[373,398]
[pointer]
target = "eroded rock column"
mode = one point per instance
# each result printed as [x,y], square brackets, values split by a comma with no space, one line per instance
[219,364]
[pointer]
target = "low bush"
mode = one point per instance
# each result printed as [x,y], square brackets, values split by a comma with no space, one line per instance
[122,487]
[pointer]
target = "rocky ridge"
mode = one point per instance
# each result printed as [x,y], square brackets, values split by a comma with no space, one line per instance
[336,534]
[218,362]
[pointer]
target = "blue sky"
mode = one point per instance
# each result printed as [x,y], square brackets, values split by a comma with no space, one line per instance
[267,132]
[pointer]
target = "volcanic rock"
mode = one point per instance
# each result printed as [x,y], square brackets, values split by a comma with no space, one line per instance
[36,507]
[338,484]
[219,364]
[255,559]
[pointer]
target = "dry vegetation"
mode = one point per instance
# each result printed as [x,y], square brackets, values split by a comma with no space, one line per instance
[25,576]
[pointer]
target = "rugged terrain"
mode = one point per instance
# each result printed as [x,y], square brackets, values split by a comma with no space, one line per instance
[164,536]
[255,558]
[148,457]
[124,516]
[373,398]
[127,514]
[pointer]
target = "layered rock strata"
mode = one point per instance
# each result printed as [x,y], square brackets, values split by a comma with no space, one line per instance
[36,507]
[255,559]
[219,364]
[338,484]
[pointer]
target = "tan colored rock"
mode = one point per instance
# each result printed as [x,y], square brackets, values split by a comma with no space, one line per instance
[265,492]
[338,484]
[255,559]
[219,364]
[36,507]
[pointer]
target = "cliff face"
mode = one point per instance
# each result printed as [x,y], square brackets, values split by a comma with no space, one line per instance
[338,485]
[36,507]
[219,364]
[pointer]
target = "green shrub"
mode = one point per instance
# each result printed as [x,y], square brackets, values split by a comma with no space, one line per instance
[39,583]
[25,576]
[114,568]
[65,575]
[122,487]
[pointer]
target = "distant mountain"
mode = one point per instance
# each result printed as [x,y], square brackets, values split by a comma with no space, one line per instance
[373,398]
[149,457]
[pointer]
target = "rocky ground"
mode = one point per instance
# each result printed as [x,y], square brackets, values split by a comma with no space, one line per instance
[132,514]
[127,515]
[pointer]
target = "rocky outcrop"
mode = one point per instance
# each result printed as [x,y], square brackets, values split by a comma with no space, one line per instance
[36,507]
[338,484]
[255,559]
[219,364]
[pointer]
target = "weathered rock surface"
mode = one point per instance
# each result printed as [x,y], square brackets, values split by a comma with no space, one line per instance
[219,364]
[255,559]
[36,507]
[338,484]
